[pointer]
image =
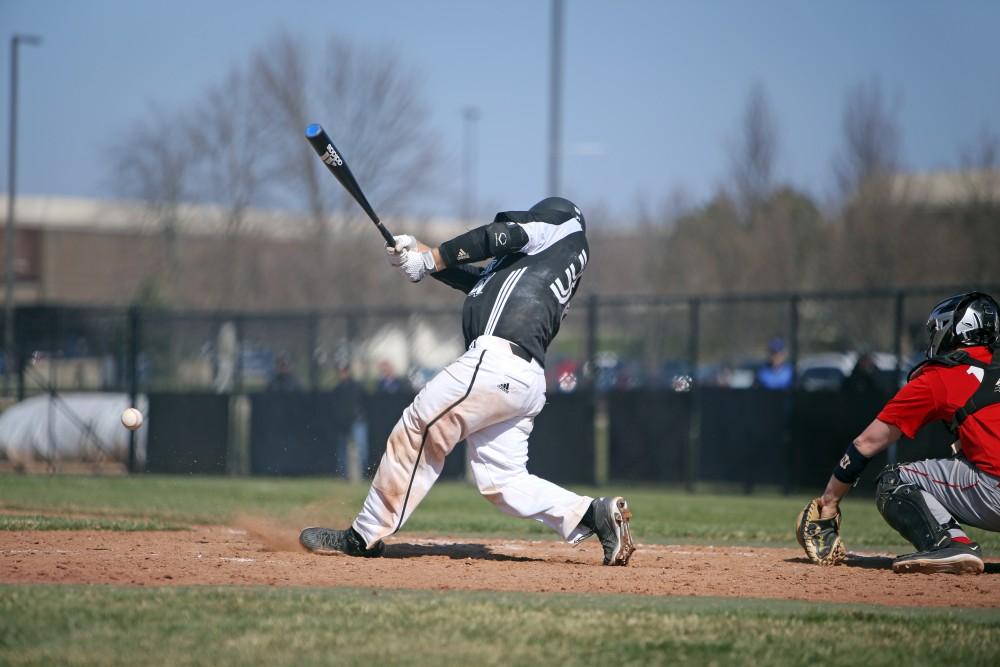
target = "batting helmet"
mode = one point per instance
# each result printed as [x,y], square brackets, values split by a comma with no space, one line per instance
[562,205]
[962,320]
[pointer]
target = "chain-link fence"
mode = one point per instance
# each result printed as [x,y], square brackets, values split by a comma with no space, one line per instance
[605,343]
[215,379]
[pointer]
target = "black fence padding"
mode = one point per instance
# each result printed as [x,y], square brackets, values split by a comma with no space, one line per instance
[823,424]
[650,435]
[743,435]
[932,442]
[561,447]
[188,433]
[295,433]
[384,410]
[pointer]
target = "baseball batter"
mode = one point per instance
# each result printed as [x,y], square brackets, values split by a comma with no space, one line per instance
[491,394]
[927,501]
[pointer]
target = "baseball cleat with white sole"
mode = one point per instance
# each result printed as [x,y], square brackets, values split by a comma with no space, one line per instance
[611,517]
[949,558]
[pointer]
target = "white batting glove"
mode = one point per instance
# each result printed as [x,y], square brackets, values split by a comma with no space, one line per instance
[396,258]
[416,265]
[404,244]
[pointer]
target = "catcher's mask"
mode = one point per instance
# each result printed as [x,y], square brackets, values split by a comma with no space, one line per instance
[560,204]
[963,320]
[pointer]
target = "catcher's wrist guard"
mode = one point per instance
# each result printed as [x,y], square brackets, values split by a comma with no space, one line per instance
[851,465]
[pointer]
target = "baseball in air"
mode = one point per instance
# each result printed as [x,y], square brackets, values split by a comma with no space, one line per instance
[131,419]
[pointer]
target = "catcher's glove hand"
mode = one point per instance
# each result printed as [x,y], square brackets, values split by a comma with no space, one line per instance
[819,537]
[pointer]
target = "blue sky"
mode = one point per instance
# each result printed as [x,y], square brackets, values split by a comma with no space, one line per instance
[653,90]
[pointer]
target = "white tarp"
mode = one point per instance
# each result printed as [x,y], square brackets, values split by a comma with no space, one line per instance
[76,426]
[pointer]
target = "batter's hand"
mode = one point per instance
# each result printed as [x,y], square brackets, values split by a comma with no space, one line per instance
[404,245]
[416,265]
[405,242]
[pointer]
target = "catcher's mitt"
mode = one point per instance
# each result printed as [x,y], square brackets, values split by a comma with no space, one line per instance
[819,537]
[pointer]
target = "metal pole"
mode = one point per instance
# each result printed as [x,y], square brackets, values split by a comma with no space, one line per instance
[694,425]
[694,335]
[555,96]
[897,335]
[892,452]
[9,235]
[793,336]
[132,354]
[471,116]
[593,305]
[313,345]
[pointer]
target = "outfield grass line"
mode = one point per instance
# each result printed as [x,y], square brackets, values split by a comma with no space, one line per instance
[610,601]
[43,522]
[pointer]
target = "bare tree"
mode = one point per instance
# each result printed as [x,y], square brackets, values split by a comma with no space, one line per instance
[754,152]
[872,246]
[871,139]
[280,74]
[979,210]
[226,138]
[980,163]
[371,105]
[152,163]
[241,145]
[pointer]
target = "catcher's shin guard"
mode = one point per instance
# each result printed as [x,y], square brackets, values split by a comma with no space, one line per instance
[903,507]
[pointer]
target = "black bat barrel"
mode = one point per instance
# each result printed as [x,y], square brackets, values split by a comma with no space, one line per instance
[334,161]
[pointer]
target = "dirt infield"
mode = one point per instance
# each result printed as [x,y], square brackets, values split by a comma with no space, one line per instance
[263,555]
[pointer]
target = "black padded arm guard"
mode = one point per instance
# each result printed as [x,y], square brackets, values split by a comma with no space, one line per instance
[493,240]
[462,278]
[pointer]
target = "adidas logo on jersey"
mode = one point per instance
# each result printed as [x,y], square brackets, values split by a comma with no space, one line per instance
[504,387]
[462,254]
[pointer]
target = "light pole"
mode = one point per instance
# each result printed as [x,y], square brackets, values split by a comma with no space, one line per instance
[471,117]
[8,238]
[555,97]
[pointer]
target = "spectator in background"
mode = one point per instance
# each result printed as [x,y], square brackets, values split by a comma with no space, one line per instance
[776,373]
[284,378]
[388,382]
[865,377]
[352,427]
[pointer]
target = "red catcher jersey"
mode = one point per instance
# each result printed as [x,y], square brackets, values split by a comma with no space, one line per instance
[935,394]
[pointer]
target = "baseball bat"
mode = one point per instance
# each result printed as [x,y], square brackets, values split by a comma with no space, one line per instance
[335,162]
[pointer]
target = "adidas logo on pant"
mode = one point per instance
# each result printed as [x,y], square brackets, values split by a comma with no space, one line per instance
[505,387]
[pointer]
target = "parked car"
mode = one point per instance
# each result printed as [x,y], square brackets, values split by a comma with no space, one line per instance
[827,371]
[729,374]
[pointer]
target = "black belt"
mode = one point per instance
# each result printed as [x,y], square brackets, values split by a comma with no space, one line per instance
[519,351]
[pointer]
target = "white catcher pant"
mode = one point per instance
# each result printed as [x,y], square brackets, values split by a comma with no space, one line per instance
[489,397]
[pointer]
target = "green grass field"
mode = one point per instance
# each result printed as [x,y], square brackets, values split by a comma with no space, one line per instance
[241,626]
[107,625]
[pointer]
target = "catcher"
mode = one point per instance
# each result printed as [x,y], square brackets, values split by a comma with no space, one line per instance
[958,383]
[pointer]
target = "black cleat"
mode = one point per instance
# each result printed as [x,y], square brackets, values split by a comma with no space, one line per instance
[326,541]
[950,557]
[611,517]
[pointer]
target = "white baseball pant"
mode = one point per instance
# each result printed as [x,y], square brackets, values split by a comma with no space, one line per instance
[489,397]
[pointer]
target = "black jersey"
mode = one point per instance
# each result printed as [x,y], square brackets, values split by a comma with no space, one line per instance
[523,293]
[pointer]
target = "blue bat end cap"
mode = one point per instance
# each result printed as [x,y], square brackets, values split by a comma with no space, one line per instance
[314,130]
